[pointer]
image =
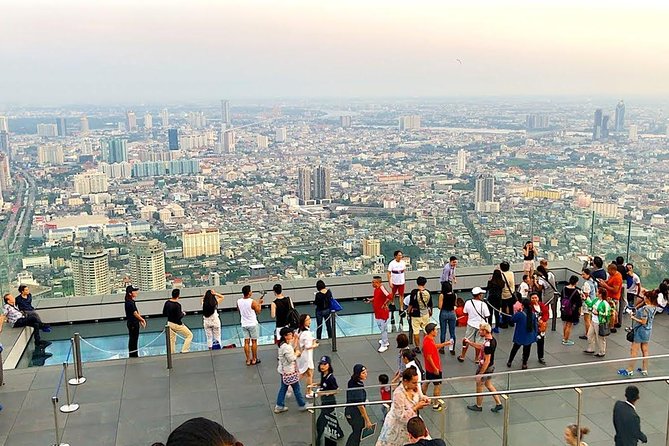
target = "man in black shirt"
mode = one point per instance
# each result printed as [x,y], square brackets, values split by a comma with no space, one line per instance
[133,320]
[24,302]
[172,309]
[486,366]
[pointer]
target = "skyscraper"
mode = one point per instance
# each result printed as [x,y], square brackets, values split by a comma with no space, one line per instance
[118,150]
[633,133]
[345,121]
[205,242]
[4,142]
[131,121]
[280,135]
[371,247]
[47,130]
[147,265]
[597,127]
[90,182]
[262,141]
[164,118]
[620,116]
[303,184]
[461,167]
[225,114]
[173,139]
[90,270]
[83,125]
[228,137]
[61,126]
[148,122]
[605,126]
[322,183]
[5,173]
[411,122]
[4,124]
[485,189]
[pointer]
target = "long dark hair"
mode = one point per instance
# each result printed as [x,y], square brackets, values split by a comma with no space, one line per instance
[302,321]
[282,334]
[497,278]
[529,316]
[209,303]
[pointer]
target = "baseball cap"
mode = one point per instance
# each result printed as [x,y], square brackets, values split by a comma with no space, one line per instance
[324,360]
[430,327]
[478,290]
[130,289]
[358,369]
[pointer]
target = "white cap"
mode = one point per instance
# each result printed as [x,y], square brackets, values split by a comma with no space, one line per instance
[478,290]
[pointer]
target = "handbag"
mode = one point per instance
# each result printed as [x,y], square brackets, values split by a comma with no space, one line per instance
[603,330]
[630,335]
[335,306]
[290,378]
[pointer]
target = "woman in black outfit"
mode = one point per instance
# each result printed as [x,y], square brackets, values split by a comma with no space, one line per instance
[447,318]
[326,390]
[495,286]
[357,416]
[322,300]
[133,320]
[279,309]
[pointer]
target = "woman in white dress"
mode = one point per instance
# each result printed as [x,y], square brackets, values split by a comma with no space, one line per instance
[407,401]
[307,344]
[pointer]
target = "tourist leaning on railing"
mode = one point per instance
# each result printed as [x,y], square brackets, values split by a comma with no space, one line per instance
[210,320]
[133,320]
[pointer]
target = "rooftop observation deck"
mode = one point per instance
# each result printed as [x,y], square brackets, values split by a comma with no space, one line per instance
[137,401]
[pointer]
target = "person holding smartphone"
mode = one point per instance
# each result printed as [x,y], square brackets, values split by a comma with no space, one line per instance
[357,416]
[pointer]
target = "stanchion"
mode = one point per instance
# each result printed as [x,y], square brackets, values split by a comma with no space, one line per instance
[333,322]
[505,431]
[579,411]
[70,406]
[2,376]
[54,401]
[76,360]
[168,346]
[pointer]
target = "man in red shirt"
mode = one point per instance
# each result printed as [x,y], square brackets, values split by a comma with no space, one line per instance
[432,362]
[382,298]
[613,287]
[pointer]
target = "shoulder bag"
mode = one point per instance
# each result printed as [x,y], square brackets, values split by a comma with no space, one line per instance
[515,295]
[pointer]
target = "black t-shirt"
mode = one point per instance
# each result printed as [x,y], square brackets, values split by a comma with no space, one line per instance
[328,384]
[356,392]
[173,312]
[130,308]
[489,347]
[529,256]
[322,300]
[448,302]
[282,307]
[598,274]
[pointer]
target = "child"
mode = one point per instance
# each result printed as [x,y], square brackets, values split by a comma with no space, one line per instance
[385,393]
[459,312]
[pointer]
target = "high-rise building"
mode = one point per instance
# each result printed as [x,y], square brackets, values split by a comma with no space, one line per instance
[148,121]
[131,121]
[50,155]
[84,128]
[4,142]
[605,126]
[214,279]
[345,121]
[4,124]
[597,127]
[485,189]
[197,120]
[164,118]
[61,126]
[173,139]
[47,130]
[304,184]
[90,182]
[228,137]
[411,122]
[117,149]
[633,133]
[461,167]
[116,170]
[5,173]
[160,168]
[225,114]
[205,242]
[147,265]
[262,141]
[620,116]
[371,247]
[321,184]
[537,121]
[90,270]
[280,135]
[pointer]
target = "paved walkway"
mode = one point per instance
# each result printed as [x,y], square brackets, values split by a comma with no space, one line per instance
[138,401]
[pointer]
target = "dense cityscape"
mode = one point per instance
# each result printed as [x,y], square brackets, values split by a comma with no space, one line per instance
[95,198]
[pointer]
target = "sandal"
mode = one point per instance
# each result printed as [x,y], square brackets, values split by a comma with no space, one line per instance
[255,362]
[248,363]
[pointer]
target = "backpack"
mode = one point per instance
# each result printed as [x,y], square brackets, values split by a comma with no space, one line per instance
[293,316]
[565,302]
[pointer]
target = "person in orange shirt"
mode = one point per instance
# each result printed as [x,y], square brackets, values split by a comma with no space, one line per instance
[613,287]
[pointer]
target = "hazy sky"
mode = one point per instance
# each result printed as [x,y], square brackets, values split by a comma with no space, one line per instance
[137,51]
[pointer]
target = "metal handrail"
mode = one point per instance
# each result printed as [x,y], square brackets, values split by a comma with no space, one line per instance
[512,392]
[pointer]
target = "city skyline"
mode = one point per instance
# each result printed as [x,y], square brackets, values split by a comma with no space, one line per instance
[302,49]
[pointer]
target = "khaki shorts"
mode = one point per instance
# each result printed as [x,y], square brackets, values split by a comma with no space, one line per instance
[528,265]
[419,323]
[472,334]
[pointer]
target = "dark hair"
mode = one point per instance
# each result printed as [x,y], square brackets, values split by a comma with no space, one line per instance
[246,290]
[383,378]
[452,258]
[4,298]
[602,291]
[22,287]
[397,252]
[416,427]
[504,266]
[176,293]
[201,432]
[277,288]
[652,296]
[409,373]
[377,278]
[664,289]
[329,370]
[128,295]
[597,261]
[282,333]
[320,285]
[525,276]
[421,281]
[459,302]
[620,260]
[534,293]
[573,279]
[411,356]
[632,393]
[629,264]
[402,340]
[301,321]
[573,428]
[527,243]
[529,316]
[497,278]
[356,376]
[542,271]
[209,303]
[587,271]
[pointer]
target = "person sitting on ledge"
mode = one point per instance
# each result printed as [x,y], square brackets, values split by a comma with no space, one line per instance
[18,318]
[24,302]
[200,432]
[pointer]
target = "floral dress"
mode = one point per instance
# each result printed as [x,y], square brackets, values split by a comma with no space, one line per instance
[394,431]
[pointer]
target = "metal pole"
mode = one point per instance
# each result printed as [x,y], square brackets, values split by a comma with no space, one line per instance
[629,239]
[2,375]
[592,234]
[333,317]
[168,344]
[69,407]
[579,411]
[313,425]
[554,309]
[505,432]
[54,401]
[508,381]
[667,438]
[76,360]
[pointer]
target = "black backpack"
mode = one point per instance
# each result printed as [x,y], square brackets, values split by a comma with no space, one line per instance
[293,316]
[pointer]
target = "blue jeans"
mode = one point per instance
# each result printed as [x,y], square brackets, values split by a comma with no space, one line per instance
[447,318]
[383,326]
[283,388]
[320,316]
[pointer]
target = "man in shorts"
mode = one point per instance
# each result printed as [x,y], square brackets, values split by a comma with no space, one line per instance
[249,309]
[432,363]
[485,366]
[420,309]
[396,280]
[477,313]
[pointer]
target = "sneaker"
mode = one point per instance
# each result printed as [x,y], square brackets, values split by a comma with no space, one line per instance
[497,408]
[281,409]
[585,338]
[452,352]
[614,330]
[644,372]
[475,408]
[382,348]
[495,330]
[599,355]
[438,407]
[309,395]
[542,361]
[460,359]
[625,372]
[301,408]
[567,342]
[588,352]
[617,326]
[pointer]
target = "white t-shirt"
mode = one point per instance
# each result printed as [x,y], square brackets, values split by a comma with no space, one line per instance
[477,311]
[524,289]
[306,359]
[247,313]
[634,289]
[415,366]
[397,270]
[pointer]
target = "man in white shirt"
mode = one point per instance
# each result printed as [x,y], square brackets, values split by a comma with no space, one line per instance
[397,279]
[478,313]
[633,285]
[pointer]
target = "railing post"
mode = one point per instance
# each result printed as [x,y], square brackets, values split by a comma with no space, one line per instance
[667,438]
[76,360]
[579,411]
[333,321]
[2,375]
[505,432]
[168,346]
[629,240]
[592,234]
[313,424]
[54,401]
[69,407]
[554,310]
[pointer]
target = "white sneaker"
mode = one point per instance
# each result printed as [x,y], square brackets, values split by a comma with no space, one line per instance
[381,341]
[383,348]
[309,395]
[280,409]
